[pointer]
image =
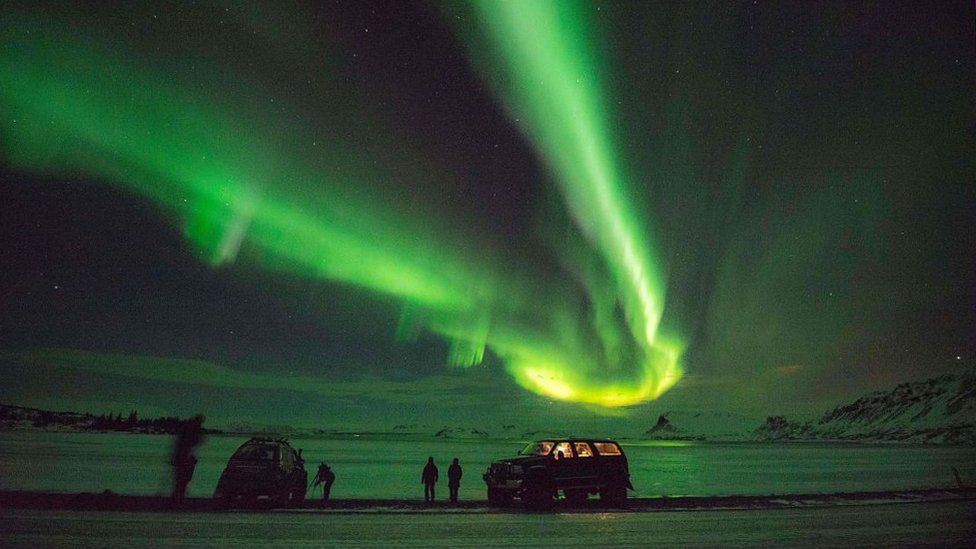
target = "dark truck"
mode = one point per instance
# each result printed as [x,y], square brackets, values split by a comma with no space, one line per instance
[264,467]
[577,467]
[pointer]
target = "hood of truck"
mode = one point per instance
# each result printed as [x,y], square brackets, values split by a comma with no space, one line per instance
[524,461]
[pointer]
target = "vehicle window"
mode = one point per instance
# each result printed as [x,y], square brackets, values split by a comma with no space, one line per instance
[608,448]
[256,452]
[583,449]
[540,448]
[287,458]
[564,449]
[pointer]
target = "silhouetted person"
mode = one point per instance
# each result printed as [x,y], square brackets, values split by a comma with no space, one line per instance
[454,473]
[429,479]
[183,461]
[325,477]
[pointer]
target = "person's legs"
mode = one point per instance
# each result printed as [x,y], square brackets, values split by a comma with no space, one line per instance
[190,469]
[454,494]
[176,485]
[181,477]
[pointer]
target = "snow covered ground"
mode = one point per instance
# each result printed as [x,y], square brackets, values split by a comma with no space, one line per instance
[389,467]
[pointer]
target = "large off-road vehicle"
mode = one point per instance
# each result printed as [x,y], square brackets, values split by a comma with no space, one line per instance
[263,467]
[576,467]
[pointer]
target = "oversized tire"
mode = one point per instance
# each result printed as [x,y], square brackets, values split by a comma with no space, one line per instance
[576,497]
[614,494]
[298,497]
[225,500]
[498,498]
[537,496]
[282,498]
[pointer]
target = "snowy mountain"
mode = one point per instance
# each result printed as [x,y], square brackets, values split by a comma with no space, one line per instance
[460,432]
[937,410]
[663,429]
[699,425]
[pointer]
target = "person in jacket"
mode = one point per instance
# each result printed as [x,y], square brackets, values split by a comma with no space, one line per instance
[429,479]
[454,473]
[183,459]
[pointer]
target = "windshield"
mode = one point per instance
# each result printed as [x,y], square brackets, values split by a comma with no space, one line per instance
[540,448]
[256,452]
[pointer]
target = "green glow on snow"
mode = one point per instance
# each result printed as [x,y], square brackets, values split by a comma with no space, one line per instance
[245,188]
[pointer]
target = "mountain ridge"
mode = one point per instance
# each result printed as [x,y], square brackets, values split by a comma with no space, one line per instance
[936,410]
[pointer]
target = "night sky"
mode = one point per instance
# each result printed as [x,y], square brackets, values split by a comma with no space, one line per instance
[370,213]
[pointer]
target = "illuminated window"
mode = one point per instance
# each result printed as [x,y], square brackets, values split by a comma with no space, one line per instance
[540,448]
[583,449]
[607,448]
[564,449]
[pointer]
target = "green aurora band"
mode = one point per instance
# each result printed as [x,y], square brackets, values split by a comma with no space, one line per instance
[541,52]
[244,188]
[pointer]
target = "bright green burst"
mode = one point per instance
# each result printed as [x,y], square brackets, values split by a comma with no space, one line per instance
[542,58]
[216,159]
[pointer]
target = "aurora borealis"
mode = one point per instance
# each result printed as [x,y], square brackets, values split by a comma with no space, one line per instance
[228,187]
[599,201]
[551,70]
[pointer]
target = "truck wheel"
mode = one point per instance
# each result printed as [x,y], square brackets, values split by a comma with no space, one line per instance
[498,498]
[614,494]
[281,499]
[298,497]
[225,500]
[576,497]
[538,496]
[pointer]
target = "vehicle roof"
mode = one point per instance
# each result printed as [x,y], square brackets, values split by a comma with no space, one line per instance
[578,439]
[263,440]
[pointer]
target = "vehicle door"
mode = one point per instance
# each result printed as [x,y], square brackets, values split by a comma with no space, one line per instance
[587,464]
[564,465]
[612,462]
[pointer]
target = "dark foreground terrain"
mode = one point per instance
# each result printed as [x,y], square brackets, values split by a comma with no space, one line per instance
[942,524]
[110,501]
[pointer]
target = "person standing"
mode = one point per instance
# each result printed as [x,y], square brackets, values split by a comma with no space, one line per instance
[454,473]
[183,461]
[429,479]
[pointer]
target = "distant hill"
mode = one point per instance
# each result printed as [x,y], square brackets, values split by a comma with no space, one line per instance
[662,429]
[941,410]
[17,418]
[938,410]
[460,432]
[701,425]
